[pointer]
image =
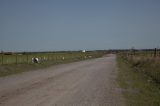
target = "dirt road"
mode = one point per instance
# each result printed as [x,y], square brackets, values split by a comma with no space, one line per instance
[85,83]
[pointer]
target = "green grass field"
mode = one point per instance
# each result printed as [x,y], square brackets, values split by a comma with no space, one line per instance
[55,56]
[17,63]
[139,77]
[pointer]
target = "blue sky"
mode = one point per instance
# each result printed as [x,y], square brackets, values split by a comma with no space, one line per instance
[51,25]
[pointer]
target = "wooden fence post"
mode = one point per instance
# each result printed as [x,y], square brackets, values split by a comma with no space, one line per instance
[48,58]
[27,59]
[159,52]
[155,52]
[2,59]
[16,59]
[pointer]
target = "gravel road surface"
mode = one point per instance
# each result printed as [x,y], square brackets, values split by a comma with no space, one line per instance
[85,83]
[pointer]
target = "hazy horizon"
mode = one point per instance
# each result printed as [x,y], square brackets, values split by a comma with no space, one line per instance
[60,25]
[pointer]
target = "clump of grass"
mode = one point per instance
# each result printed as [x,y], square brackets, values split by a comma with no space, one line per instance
[140,87]
[146,65]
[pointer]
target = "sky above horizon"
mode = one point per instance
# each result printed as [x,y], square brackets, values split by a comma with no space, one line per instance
[53,25]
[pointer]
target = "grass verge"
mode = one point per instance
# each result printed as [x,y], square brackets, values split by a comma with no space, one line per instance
[138,88]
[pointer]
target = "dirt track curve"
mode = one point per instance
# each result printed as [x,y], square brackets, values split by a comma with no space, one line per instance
[84,83]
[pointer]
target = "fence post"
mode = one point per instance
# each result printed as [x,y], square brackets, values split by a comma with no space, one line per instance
[2,59]
[159,53]
[48,58]
[16,59]
[27,59]
[155,52]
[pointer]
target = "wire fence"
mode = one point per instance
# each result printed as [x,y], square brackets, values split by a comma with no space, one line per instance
[43,57]
[147,63]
